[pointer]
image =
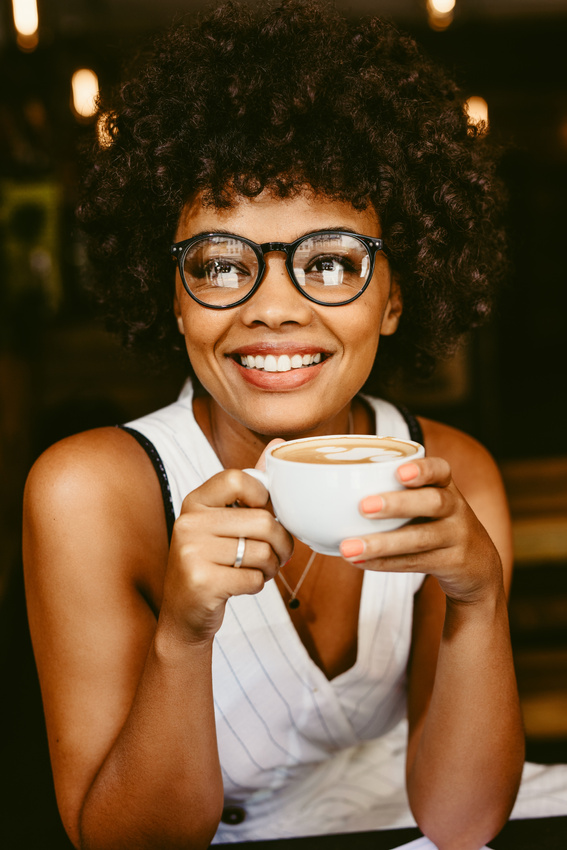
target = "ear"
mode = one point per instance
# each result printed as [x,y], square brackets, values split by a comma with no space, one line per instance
[177,311]
[393,311]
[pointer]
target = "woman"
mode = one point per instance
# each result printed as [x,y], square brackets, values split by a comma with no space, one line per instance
[180,692]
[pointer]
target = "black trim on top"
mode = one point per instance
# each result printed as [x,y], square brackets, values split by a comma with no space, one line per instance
[415,429]
[157,463]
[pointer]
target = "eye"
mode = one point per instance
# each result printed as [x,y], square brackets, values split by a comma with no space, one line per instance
[330,263]
[224,272]
[329,270]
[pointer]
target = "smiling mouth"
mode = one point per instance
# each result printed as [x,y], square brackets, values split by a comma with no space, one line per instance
[279,363]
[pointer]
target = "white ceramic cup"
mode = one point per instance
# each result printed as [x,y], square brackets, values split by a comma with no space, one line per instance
[318,502]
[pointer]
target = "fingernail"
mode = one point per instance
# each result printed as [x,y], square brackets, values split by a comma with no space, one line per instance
[372,504]
[408,471]
[352,548]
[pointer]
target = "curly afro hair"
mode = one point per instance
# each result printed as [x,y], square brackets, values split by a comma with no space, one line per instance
[282,98]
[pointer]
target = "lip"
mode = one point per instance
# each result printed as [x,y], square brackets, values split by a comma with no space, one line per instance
[278,381]
[277,348]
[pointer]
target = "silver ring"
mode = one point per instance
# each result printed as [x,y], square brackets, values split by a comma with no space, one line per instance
[240,552]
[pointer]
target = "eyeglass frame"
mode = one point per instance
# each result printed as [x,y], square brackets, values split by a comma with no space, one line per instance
[179,251]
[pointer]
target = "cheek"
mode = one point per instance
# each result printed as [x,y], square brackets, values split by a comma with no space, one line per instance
[364,326]
[203,331]
[196,339]
[363,336]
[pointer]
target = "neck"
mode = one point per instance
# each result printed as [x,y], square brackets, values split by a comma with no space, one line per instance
[239,447]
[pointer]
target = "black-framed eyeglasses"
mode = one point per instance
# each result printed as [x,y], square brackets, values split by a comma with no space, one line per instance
[329,267]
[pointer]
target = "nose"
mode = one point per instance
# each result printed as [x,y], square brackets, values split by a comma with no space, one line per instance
[276,301]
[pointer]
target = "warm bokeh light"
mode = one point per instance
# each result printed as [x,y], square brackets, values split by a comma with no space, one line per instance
[442,6]
[440,13]
[85,92]
[26,21]
[26,18]
[477,109]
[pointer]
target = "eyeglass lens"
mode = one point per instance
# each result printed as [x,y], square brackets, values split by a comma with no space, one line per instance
[221,270]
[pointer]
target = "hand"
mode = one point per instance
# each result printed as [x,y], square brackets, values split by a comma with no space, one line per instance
[445,539]
[200,575]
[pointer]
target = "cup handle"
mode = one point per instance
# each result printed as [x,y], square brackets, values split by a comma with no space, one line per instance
[259,475]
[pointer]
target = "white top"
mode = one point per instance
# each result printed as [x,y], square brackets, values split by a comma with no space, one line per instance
[285,732]
[300,754]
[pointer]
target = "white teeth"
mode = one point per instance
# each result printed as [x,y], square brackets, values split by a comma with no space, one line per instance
[282,363]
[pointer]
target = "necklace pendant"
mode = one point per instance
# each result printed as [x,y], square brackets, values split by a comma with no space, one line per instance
[293,601]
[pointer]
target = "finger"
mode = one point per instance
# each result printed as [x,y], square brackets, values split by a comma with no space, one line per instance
[258,555]
[262,459]
[229,524]
[404,547]
[254,524]
[433,502]
[226,488]
[208,578]
[246,581]
[428,471]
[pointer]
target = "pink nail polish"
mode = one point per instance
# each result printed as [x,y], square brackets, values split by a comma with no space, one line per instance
[372,504]
[351,548]
[408,472]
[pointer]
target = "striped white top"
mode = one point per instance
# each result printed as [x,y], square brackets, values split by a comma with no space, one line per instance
[299,753]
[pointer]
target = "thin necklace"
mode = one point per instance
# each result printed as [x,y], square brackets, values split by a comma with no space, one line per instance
[293,601]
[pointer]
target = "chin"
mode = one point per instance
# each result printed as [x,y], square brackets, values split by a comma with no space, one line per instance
[284,427]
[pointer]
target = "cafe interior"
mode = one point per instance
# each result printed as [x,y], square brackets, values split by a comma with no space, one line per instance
[61,372]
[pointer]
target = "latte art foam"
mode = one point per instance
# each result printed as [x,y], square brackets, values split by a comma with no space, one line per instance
[344,450]
[358,454]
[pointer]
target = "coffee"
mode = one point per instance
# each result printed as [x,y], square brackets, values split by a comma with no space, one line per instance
[317,496]
[345,449]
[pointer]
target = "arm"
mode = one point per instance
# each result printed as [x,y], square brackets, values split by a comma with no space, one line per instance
[127,694]
[465,748]
[466,725]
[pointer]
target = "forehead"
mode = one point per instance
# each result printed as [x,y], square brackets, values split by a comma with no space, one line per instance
[267,218]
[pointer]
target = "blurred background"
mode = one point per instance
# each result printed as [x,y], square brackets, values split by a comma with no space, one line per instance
[60,372]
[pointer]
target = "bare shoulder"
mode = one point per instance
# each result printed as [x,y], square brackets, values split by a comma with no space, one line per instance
[472,465]
[101,457]
[96,485]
